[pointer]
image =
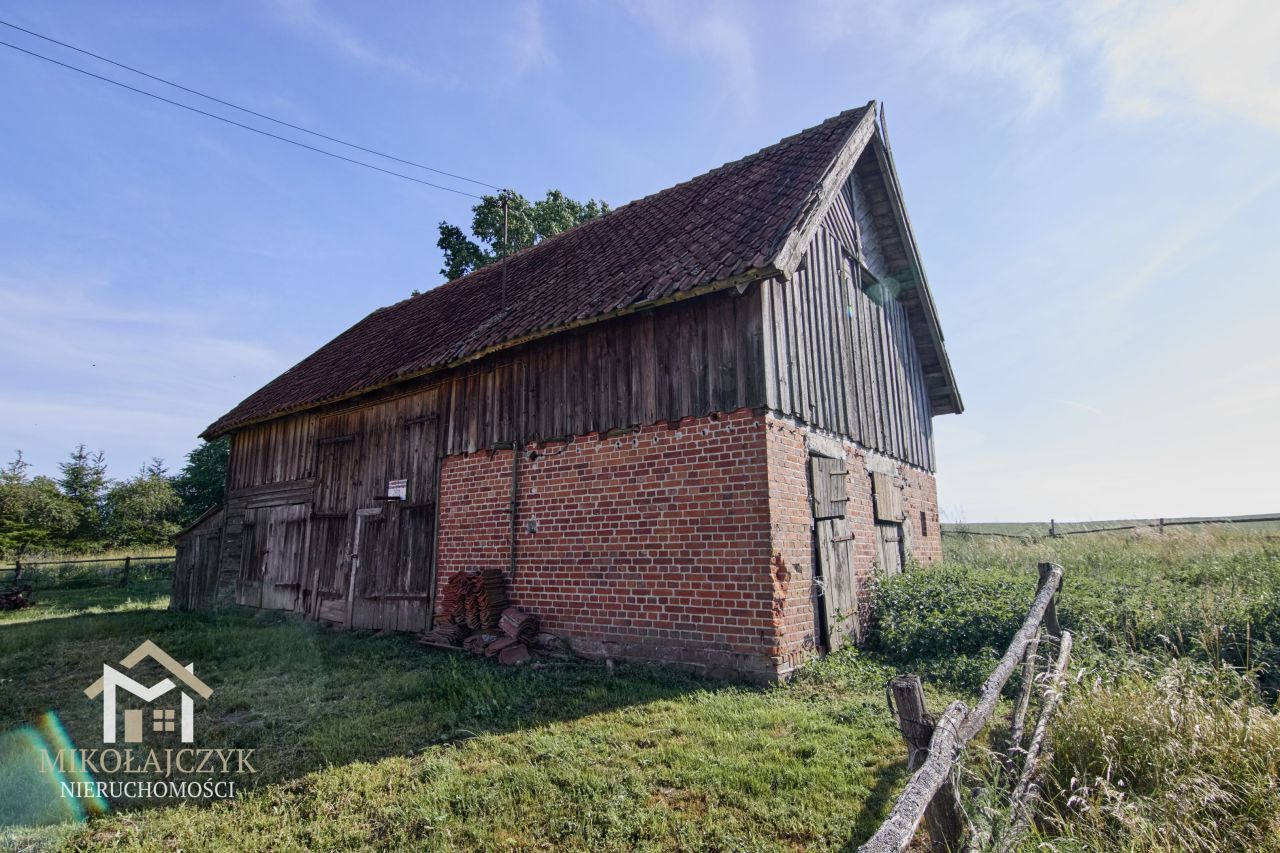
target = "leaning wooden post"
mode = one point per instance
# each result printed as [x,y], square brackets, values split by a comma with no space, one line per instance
[1017,721]
[942,816]
[124,575]
[1051,612]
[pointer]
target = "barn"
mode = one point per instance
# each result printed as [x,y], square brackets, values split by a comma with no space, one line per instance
[696,430]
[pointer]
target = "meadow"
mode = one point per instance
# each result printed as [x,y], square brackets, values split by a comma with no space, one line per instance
[1167,739]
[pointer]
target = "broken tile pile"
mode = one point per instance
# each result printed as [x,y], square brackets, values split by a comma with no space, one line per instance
[472,604]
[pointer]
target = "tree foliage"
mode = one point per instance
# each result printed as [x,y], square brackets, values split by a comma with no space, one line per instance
[527,225]
[34,513]
[84,482]
[85,510]
[142,510]
[201,483]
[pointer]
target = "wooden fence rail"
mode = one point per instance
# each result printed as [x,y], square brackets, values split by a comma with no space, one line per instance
[128,562]
[934,748]
[1055,530]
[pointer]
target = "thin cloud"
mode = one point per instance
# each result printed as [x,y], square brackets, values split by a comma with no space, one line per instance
[713,30]
[305,17]
[528,47]
[1206,58]
[998,43]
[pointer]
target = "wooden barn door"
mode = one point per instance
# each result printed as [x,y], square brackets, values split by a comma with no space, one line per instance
[332,516]
[394,552]
[835,584]
[271,556]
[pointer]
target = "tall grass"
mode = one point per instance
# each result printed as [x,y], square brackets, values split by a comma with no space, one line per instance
[1180,757]
[1168,738]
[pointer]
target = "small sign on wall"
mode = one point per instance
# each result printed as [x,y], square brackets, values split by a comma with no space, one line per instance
[397,489]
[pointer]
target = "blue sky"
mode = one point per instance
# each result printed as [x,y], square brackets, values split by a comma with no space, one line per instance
[1095,187]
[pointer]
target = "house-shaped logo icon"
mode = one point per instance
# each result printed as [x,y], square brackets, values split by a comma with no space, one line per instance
[163,719]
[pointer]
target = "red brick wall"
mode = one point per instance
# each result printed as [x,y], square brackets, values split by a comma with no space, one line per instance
[651,545]
[790,524]
[689,544]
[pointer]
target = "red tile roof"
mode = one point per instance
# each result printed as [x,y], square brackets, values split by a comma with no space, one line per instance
[717,226]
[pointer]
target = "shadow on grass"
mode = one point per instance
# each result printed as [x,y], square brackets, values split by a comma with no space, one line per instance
[301,696]
[363,740]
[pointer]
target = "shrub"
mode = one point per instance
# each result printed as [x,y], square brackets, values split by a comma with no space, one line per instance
[948,611]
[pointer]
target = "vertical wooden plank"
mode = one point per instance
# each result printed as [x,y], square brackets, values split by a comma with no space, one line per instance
[786,360]
[761,295]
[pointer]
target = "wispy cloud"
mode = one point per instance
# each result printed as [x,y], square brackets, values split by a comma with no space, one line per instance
[716,31]
[1174,244]
[151,365]
[1000,43]
[528,47]
[1208,58]
[306,17]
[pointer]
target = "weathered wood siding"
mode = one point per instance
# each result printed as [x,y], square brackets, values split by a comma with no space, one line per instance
[195,568]
[833,347]
[839,348]
[297,483]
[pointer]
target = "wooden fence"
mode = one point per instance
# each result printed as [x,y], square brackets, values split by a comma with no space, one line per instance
[25,571]
[1057,528]
[934,747]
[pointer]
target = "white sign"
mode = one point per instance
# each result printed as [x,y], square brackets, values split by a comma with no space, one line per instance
[397,489]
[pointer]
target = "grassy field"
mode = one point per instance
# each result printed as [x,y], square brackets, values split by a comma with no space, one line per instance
[366,740]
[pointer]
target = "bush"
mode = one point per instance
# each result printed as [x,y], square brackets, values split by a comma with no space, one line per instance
[949,611]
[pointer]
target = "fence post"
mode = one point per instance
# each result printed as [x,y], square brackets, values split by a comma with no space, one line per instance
[1051,612]
[1053,529]
[17,569]
[1161,525]
[124,575]
[942,816]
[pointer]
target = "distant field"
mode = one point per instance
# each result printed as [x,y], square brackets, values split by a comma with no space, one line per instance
[1033,528]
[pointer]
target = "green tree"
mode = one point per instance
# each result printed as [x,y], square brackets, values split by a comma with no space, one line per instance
[142,510]
[34,514]
[201,483]
[84,482]
[527,225]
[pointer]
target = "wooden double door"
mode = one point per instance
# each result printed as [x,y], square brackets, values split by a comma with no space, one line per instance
[836,593]
[352,554]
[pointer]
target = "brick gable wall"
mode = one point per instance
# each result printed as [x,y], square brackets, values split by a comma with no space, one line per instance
[792,535]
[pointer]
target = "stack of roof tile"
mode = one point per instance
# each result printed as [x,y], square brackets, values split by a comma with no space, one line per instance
[518,624]
[472,604]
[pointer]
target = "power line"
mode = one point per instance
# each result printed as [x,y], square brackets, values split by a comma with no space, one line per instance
[246,109]
[239,124]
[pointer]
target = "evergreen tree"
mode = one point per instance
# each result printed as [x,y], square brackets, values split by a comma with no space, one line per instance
[201,482]
[34,514]
[84,482]
[142,510]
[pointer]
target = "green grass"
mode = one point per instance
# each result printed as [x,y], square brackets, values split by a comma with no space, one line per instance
[365,741]
[372,741]
[1168,736]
